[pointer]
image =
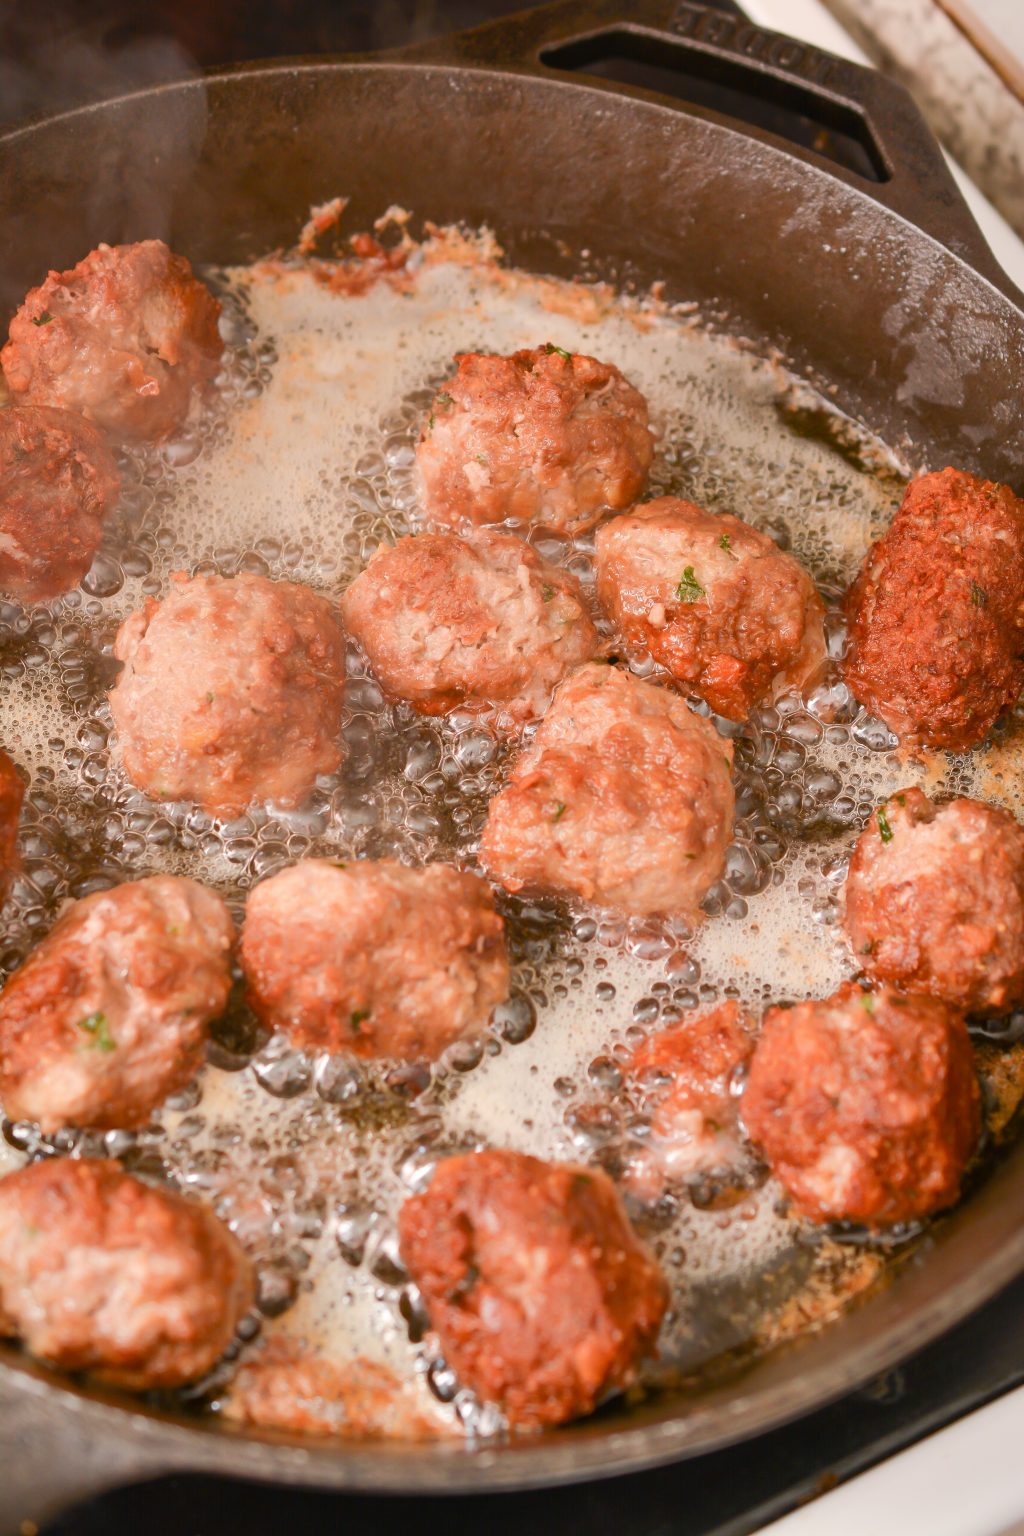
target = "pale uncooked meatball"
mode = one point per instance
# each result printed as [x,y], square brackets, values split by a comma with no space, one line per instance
[108,1016]
[544,436]
[715,602]
[543,1297]
[935,901]
[231,692]
[58,480]
[865,1105]
[372,958]
[475,621]
[99,1272]
[125,338]
[624,799]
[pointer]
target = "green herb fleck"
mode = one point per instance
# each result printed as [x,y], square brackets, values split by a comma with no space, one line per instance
[340,863]
[445,399]
[95,1024]
[979,597]
[209,698]
[43,319]
[689,588]
[558,811]
[357,1019]
[547,593]
[884,829]
[725,542]
[867,1002]
[430,422]
[481,458]
[560,350]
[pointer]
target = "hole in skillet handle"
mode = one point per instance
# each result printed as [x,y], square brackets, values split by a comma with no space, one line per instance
[745,89]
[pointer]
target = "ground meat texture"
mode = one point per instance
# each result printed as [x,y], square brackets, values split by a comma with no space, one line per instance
[284,1386]
[481,620]
[231,692]
[866,1105]
[936,615]
[58,479]
[715,602]
[137,1286]
[687,1077]
[124,339]
[935,901]
[108,1016]
[542,1297]
[374,959]
[543,436]
[12,793]
[623,799]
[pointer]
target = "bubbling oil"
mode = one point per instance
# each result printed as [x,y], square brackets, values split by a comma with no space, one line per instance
[298,471]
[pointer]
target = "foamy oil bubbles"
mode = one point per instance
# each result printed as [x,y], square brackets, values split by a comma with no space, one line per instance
[301,467]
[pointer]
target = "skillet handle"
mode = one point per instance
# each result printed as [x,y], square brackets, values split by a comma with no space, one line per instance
[715,42]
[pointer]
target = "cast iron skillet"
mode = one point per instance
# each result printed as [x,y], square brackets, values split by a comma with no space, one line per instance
[869,276]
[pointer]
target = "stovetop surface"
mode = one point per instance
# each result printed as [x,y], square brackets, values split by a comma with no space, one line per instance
[71,51]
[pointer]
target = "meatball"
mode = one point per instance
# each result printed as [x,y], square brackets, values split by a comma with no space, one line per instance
[624,799]
[866,1105]
[715,602]
[936,616]
[935,901]
[372,958]
[12,793]
[481,620]
[108,1016]
[688,1077]
[102,1273]
[231,692]
[58,479]
[542,1297]
[123,338]
[544,436]
[285,1386]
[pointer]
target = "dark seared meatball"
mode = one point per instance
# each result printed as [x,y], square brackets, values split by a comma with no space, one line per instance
[231,692]
[480,620]
[717,603]
[58,480]
[124,338]
[688,1078]
[866,1105]
[108,1016]
[937,613]
[372,958]
[624,798]
[543,1298]
[285,1386]
[101,1273]
[543,436]
[12,793]
[935,901]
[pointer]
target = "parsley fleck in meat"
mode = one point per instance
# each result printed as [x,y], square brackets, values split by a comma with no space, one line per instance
[689,589]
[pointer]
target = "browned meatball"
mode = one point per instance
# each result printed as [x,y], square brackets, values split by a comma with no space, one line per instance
[372,958]
[543,1298]
[108,1016]
[58,479]
[231,692]
[935,901]
[624,798]
[937,613]
[717,603]
[101,1273]
[866,1105]
[12,793]
[688,1077]
[543,436]
[480,620]
[285,1386]
[123,338]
